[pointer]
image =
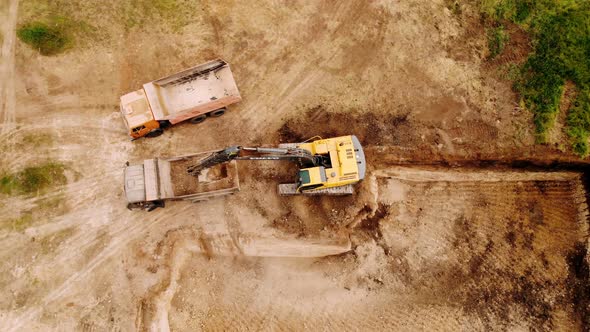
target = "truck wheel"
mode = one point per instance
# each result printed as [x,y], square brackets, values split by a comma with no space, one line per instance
[134,206]
[164,124]
[155,133]
[217,113]
[154,205]
[198,119]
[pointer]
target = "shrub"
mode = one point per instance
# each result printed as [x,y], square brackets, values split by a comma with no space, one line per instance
[47,39]
[33,179]
[561,40]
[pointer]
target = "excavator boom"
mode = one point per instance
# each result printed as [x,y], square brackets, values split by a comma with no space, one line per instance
[215,158]
[246,153]
[327,166]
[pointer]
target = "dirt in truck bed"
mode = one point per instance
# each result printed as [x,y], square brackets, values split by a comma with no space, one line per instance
[214,178]
[462,222]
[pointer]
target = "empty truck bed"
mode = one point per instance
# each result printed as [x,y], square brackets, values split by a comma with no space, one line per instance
[187,91]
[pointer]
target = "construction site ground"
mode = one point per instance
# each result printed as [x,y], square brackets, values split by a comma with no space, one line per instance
[459,224]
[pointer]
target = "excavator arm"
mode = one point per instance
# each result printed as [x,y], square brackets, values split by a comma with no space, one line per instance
[215,158]
[304,157]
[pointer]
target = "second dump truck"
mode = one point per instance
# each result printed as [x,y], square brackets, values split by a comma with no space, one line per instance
[192,94]
[149,184]
[326,167]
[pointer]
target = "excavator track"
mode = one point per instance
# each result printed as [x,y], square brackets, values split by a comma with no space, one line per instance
[290,189]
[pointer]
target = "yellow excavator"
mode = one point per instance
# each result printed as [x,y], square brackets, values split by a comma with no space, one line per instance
[327,166]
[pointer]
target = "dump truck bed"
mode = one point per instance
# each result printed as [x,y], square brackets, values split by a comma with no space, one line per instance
[219,177]
[200,89]
[167,179]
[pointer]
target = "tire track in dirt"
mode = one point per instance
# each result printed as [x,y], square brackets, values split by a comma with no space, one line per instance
[99,224]
[511,238]
[121,236]
[336,310]
[7,68]
[77,192]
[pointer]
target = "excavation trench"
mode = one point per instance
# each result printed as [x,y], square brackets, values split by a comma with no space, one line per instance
[509,231]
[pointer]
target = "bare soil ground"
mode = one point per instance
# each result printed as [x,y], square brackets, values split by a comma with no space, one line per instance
[432,247]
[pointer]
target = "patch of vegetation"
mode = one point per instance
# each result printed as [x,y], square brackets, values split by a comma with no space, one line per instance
[54,205]
[19,224]
[37,140]
[497,39]
[48,39]
[54,26]
[33,179]
[44,209]
[578,123]
[165,6]
[561,39]
[51,242]
[175,13]
[454,6]
[510,71]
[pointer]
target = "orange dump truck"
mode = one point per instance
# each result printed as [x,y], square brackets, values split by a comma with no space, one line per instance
[192,94]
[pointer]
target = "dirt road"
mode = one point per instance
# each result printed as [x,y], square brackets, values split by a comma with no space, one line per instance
[432,248]
[7,89]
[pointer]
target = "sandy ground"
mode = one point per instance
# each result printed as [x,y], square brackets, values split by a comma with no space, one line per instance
[425,248]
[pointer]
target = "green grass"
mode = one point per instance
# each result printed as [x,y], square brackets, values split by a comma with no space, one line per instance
[53,26]
[509,71]
[33,179]
[578,123]
[497,39]
[560,30]
[47,38]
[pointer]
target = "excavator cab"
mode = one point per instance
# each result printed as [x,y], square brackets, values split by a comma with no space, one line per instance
[311,178]
[341,162]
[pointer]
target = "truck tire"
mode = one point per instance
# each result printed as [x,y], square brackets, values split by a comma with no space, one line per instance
[155,133]
[198,119]
[216,113]
[164,124]
[154,205]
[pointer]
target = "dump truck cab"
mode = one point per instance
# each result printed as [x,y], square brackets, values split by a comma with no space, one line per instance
[138,116]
